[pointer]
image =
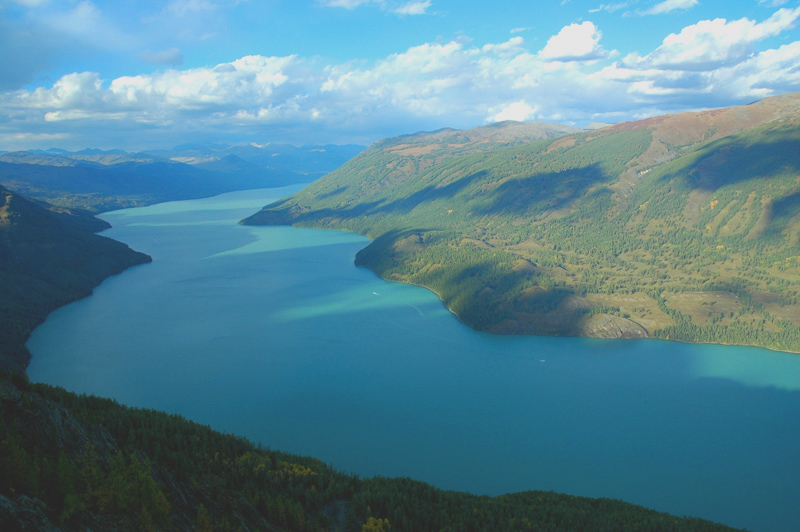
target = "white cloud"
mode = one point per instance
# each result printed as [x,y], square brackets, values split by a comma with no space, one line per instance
[520,30]
[668,6]
[576,42]
[519,111]
[763,74]
[247,82]
[711,44]
[413,8]
[432,85]
[73,91]
[513,46]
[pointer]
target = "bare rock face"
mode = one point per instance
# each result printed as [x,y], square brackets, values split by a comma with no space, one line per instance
[608,326]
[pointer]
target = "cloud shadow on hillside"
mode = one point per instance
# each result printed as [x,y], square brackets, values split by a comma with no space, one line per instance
[541,194]
[729,162]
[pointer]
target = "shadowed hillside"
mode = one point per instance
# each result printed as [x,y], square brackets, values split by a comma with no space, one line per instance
[47,259]
[85,463]
[683,226]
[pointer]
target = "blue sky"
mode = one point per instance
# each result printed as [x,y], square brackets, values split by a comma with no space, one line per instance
[137,74]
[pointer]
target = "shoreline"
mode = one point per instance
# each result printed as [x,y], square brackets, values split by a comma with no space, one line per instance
[649,337]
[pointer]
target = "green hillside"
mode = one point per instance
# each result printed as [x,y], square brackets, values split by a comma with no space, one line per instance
[85,463]
[682,227]
[47,259]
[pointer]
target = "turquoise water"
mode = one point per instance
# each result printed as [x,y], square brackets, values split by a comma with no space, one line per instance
[272,333]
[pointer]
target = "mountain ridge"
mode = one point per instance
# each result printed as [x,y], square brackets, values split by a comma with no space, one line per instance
[679,227]
[100,180]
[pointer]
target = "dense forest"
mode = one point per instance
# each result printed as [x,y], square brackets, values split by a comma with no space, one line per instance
[684,227]
[77,462]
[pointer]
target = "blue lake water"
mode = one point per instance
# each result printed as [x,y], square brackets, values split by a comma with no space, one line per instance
[272,333]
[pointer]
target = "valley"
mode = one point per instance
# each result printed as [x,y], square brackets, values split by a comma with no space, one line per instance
[521,229]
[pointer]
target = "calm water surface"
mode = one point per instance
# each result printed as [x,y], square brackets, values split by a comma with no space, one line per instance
[274,334]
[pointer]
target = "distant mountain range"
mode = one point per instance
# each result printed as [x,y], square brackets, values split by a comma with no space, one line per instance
[98,180]
[683,226]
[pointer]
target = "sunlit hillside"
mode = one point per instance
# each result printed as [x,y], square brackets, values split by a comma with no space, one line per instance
[681,227]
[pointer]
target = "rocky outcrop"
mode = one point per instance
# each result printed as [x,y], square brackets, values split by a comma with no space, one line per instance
[609,326]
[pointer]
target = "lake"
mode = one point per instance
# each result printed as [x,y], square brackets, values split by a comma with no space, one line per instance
[272,333]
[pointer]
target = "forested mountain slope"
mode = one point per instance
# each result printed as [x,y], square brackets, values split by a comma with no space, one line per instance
[70,462]
[684,226]
[97,180]
[47,259]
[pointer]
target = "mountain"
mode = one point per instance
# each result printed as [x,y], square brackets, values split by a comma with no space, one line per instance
[47,259]
[481,138]
[304,160]
[73,183]
[70,462]
[98,180]
[684,226]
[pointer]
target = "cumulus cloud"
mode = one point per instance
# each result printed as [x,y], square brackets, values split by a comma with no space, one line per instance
[435,84]
[519,111]
[668,6]
[711,44]
[576,42]
[714,61]
[763,74]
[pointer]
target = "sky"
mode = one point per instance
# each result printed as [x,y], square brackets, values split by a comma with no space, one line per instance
[147,74]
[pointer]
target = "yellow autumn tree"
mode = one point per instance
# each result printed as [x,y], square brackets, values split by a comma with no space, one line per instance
[376,525]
